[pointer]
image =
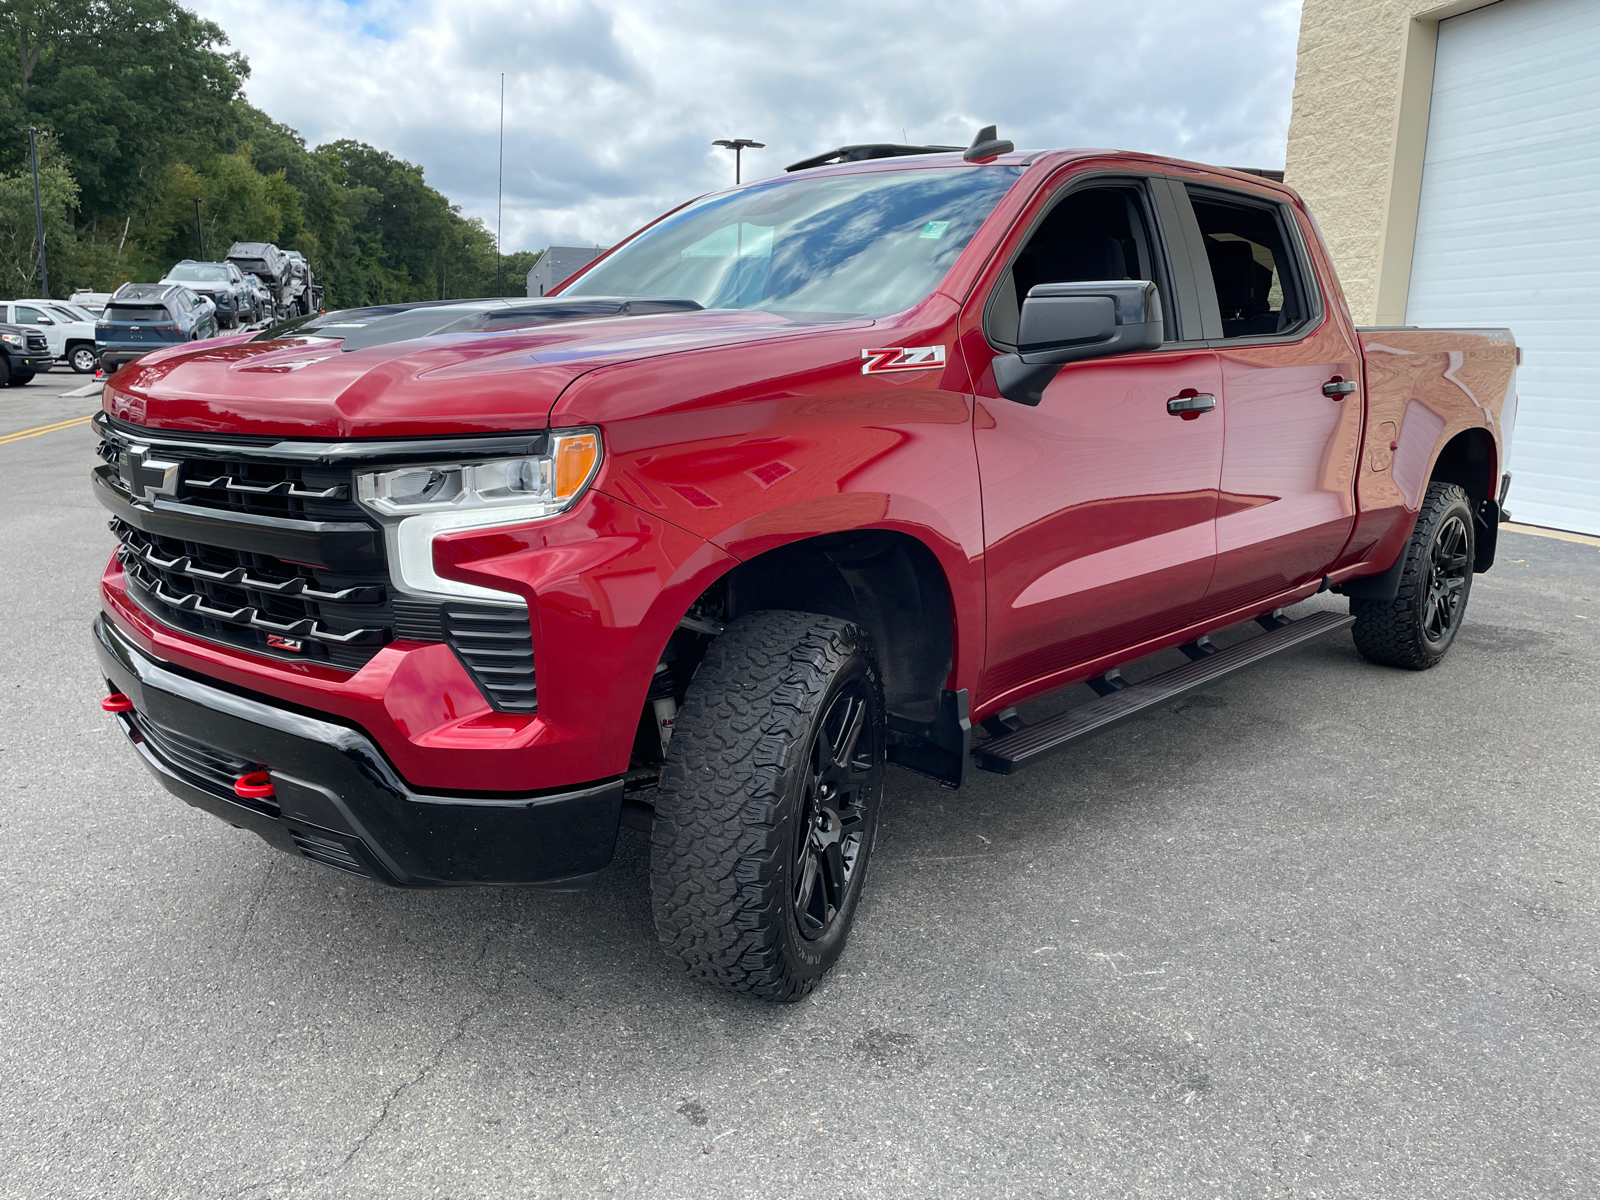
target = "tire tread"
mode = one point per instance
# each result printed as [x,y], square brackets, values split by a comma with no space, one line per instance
[718,841]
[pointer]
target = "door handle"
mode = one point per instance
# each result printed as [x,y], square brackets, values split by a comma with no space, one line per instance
[1190,404]
[1338,388]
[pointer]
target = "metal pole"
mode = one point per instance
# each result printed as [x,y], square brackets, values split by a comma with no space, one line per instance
[199,229]
[499,193]
[738,165]
[38,210]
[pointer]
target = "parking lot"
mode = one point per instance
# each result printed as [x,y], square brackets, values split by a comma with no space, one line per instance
[1328,930]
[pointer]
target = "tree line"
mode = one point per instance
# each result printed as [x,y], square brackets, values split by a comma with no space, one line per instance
[140,113]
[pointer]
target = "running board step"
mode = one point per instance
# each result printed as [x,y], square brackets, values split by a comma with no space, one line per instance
[1010,753]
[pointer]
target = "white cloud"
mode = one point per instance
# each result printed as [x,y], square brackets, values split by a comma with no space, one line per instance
[611,105]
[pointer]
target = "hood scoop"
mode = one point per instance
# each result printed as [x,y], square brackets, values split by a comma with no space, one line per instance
[383,324]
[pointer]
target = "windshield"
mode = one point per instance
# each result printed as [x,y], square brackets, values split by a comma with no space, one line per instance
[199,273]
[840,246]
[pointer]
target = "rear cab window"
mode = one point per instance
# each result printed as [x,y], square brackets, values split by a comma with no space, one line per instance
[1258,274]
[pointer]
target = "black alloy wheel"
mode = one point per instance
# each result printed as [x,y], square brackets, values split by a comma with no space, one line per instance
[1450,568]
[768,803]
[835,816]
[1416,627]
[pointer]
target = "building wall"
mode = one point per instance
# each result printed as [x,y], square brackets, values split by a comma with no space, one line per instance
[1362,85]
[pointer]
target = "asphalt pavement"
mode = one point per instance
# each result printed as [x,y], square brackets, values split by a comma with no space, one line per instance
[1328,930]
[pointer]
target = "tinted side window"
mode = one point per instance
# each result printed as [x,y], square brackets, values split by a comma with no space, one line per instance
[1255,272]
[28,316]
[1093,234]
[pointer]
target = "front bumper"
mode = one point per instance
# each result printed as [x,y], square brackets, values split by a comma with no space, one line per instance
[338,801]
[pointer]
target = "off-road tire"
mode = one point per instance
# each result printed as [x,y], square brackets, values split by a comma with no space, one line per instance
[1406,631]
[81,358]
[737,804]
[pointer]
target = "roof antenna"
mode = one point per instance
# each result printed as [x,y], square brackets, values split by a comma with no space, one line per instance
[987,144]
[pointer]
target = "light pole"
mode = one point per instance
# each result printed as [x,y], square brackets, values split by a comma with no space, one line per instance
[199,229]
[38,210]
[738,146]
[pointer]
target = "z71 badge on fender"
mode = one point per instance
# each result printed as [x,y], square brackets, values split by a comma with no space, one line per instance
[901,358]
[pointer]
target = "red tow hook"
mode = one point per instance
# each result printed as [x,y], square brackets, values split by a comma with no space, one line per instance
[117,702]
[255,786]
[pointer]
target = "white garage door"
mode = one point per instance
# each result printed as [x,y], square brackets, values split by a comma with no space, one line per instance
[1508,231]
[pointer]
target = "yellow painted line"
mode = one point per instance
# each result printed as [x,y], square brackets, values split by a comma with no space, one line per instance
[1560,535]
[7,439]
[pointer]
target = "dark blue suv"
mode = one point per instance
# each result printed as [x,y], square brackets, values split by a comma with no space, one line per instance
[141,317]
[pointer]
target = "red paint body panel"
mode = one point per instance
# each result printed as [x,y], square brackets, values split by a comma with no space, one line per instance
[606,584]
[1072,536]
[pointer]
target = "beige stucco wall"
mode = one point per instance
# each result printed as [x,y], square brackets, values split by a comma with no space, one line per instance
[1357,136]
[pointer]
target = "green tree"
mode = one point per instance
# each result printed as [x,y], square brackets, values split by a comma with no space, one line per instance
[141,101]
[19,239]
[126,87]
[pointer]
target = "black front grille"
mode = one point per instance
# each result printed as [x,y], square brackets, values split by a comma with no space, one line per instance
[323,594]
[37,344]
[327,851]
[199,764]
[495,644]
[258,602]
[307,492]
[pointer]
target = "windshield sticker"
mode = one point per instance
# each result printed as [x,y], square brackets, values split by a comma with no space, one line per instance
[934,229]
[901,358]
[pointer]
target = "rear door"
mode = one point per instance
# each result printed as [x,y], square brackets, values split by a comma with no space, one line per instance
[1099,504]
[1286,505]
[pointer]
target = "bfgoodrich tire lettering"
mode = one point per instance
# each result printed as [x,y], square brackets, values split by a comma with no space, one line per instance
[769,803]
[1415,629]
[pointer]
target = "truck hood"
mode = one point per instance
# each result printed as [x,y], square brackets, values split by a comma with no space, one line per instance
[483,381]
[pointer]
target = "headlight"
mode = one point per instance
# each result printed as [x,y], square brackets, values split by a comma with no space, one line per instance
[418,503]
[14,339]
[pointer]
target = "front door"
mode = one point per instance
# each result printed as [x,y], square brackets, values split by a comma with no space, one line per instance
[1099,504]
[1287,501]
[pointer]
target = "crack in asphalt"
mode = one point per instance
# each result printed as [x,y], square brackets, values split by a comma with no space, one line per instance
[460,1031]
[255,904]
[438,1055]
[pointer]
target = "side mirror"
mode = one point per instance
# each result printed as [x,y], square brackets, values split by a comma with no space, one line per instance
[1069,322]
[44,320]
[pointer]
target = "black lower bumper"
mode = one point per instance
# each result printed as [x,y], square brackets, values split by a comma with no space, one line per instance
[337,800]
[111,359]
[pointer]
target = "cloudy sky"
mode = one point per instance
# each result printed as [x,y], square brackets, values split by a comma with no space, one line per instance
[611,105]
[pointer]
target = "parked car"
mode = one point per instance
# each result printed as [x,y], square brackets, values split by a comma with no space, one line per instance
[93,302]
[71,311]
[70,337]
[266,307]
[78,327]
[224,285]
[307,297]
[274,269]
[819,475]
[147,316]
[23,354]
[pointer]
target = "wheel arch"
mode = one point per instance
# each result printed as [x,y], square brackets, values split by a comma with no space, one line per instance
[887,581]
[1470,460]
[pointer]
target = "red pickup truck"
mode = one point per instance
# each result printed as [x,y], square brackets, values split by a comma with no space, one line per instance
[827,472]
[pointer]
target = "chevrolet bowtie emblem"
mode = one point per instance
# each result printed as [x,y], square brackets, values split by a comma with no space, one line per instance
[146,476]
